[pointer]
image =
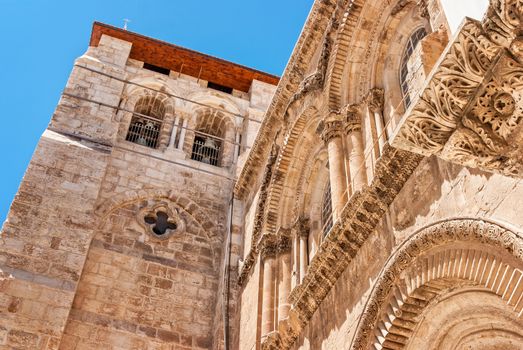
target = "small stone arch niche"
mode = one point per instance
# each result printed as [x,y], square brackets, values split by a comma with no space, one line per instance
[161,220]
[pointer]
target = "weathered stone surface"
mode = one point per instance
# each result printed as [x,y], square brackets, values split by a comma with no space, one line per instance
[331,238]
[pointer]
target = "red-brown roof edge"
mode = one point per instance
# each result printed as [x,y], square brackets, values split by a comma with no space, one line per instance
[172,56]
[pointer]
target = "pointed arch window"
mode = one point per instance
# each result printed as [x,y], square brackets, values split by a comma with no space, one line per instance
[326,210]
[147,121]
[405,74]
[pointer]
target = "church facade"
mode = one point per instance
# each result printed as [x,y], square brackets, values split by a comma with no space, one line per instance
[370,198]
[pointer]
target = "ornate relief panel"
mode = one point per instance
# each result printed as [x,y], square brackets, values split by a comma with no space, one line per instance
[471,109]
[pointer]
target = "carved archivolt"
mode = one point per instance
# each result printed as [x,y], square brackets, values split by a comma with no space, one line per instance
[472,103]
[412,273]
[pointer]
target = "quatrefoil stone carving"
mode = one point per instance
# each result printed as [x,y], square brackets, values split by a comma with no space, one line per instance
[161,220]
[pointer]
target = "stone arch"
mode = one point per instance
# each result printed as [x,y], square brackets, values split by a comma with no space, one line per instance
[132,96]
[358,49]
[144,289]
[213,230]
[434,259]
[298,139]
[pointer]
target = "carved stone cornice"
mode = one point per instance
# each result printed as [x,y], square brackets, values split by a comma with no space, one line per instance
[375,100]
[471,108]
[271,341]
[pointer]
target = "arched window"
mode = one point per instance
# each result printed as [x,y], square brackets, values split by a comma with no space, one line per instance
[208,140]
[405,74]
[206,149]
[326,210]
[146,123]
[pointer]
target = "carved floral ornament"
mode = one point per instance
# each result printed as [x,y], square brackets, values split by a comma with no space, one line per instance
[471,109]
[161,220]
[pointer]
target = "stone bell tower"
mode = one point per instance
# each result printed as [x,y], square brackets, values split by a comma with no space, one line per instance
[123,233]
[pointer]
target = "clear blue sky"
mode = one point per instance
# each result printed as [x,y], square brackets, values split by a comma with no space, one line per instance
[40,40]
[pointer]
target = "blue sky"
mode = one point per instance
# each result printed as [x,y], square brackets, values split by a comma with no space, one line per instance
[40,40]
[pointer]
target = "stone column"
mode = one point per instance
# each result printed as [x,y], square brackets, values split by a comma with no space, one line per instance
[174,132]
[333,136]
[304,260]
[302,236]
[182,133]
[296,259]
[236,146]
[284,286]
[268,257]
[375,103]
[355,150]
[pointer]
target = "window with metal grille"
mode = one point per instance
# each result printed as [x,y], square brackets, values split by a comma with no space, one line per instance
[146,122]
[206,149]
[326,210]
[414,40]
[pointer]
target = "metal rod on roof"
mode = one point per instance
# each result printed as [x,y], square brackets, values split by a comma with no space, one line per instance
[181,68]
[199,74]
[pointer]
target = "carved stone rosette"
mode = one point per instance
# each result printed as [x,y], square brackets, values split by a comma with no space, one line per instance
[471,109]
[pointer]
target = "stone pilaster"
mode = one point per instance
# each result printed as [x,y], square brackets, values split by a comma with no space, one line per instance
[355,149]
[332,135]
[268,250]
[284,280]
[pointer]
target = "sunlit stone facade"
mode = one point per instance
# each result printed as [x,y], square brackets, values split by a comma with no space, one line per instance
[369,199]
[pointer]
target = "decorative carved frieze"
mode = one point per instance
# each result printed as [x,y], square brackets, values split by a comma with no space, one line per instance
[471,109]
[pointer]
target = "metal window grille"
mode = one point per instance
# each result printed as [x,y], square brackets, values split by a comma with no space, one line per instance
[414,40]
[206,149]
[144,131]
[326,212]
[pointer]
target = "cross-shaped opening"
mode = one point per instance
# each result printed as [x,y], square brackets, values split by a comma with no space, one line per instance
[160,223]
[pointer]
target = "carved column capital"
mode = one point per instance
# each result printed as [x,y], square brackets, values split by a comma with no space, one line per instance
[301,227]
[353,118]
[268,247]
[284,244]
[423,10]
[332,127]
[375,99]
